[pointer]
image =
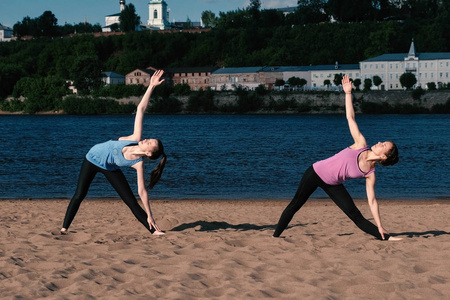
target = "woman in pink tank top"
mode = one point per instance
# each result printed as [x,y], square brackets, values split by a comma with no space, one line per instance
[356,161]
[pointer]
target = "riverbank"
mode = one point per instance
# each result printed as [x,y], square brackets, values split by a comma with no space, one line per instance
[307,103]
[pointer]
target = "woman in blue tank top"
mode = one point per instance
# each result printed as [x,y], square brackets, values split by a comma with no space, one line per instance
[127,151]
[356,161]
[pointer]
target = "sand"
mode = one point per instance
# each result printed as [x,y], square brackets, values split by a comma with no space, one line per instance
[222,249]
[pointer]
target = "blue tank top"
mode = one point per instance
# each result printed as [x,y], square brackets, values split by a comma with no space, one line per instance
[109,156]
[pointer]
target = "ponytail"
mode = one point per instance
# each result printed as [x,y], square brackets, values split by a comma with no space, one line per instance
[156,173]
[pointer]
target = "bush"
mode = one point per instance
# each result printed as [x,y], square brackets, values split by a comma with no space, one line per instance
[118,91]
[202,101]
[13,105]
[417,93]
[93,106]
[385,108]
[168,105]
[441,108]
[247,101]
[181,89]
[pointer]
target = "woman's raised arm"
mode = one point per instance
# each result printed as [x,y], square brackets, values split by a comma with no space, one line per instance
[359,139]
[141,108]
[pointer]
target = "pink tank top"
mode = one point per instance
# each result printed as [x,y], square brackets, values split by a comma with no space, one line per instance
[341,166]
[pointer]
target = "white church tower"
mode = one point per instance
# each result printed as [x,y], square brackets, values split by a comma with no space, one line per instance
[158,14]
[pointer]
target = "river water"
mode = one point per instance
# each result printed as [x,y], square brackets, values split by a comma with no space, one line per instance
[223,156]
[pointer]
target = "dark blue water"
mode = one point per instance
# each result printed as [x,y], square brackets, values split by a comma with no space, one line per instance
[224,156]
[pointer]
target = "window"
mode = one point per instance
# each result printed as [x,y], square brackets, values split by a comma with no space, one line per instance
[155,14]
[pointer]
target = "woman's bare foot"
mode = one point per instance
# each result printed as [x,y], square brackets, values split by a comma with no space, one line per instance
[393,238]
[157,232]
[63,231]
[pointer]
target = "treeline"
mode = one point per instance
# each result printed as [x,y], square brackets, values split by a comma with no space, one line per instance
[38,70]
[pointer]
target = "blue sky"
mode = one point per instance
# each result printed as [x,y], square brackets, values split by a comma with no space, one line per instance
[94,11]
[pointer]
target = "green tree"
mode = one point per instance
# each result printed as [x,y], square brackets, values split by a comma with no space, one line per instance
[357,83]
[327,83]
[367,84]
[129,19]
[10,73]
[209,18]
[28,26]
[47,24]
[302,82]
[279,82]
[310,12]
[337,79]
[254,9]
[86,74]
[377,81]
[431,86]
[294,81]
[408,80]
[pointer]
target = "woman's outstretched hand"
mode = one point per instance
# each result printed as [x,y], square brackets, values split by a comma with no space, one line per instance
[152,224]
[156,78]
[346,84]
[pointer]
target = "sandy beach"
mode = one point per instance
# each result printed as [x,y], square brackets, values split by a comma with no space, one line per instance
[222,249]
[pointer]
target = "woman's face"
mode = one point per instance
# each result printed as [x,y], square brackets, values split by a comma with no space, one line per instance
[382,148]
[148,146]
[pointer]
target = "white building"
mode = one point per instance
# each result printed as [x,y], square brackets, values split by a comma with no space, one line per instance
[5,33]
[427,67]
[158,15]
[113,19]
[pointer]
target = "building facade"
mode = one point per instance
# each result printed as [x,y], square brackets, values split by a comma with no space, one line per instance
[230,78]
[140,76]
[6,33]
[427,67]
[113,78]
[196,78]
[114,18]
[158,15]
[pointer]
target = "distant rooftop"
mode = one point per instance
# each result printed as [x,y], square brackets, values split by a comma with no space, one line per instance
[402,56]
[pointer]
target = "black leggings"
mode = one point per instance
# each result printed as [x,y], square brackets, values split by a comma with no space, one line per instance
[309,183]
[117,180]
